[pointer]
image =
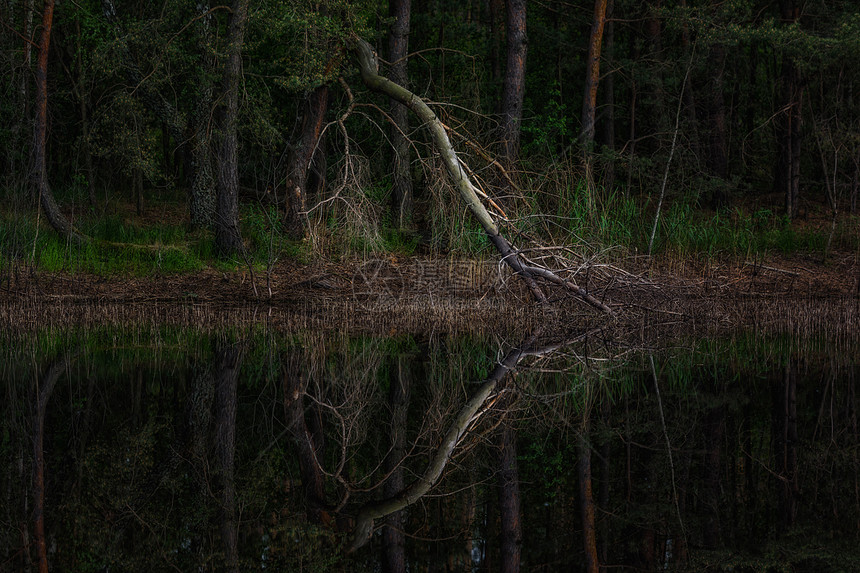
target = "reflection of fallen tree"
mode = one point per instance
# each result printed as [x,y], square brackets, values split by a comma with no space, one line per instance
[469,414]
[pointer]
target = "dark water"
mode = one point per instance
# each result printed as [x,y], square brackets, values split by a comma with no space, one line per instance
[165,449]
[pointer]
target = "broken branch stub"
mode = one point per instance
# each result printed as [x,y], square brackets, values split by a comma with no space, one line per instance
[368,66]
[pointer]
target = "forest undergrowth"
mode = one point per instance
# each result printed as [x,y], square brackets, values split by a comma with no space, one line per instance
[611,227]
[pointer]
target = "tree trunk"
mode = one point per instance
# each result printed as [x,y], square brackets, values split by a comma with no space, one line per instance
[609,99]
[785,444]
[202,198]
[717,153]
[714,429]
[18,76]
[398,48]
[79,90]
[787,180]
[495,7]
[655,117]
[509,502]
[603,523]
[592,74]
[631,138]
[515,80]
[690,93]
[41,188]
[301,157]
[228,240]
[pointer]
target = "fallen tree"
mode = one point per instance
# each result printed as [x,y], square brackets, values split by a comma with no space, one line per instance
[458,174]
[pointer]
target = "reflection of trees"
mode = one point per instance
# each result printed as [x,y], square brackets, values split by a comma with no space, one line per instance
[43,394]
[308,437]
[785,443]
[228,359]
[393,536]
[509,501]
[761,456]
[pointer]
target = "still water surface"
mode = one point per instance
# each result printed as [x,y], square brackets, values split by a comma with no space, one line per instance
[166,448]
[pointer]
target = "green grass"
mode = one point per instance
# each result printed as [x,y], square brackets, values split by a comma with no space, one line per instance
[122,247]
[115,248]
[685,230]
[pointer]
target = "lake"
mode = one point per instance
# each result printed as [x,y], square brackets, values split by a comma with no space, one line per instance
[166,439]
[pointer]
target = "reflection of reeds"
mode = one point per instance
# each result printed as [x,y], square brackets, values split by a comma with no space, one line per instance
[417,310]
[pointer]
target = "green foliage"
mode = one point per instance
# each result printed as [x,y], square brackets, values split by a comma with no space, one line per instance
[548,132]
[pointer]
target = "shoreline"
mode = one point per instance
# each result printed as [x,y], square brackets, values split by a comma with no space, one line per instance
[420,294]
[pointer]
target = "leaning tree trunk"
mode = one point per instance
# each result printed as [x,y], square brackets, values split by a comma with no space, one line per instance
[369,74]
[486,396]
[228,241]
[40,171]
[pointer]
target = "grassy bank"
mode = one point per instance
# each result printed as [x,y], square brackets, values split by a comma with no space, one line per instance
[157,240]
